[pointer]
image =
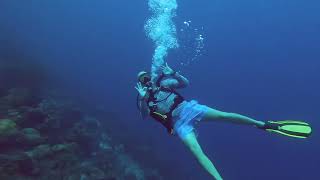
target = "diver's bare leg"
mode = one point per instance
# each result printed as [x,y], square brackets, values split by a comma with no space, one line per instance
[216,115]
[192,143]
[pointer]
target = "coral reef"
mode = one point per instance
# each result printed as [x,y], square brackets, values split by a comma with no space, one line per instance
[8,130]
[47,137]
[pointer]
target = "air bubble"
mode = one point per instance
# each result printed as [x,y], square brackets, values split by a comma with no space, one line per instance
[192,43]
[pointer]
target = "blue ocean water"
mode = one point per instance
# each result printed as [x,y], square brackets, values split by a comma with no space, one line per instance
[261,59]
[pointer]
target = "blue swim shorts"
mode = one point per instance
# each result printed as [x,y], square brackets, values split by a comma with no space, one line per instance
[187,116]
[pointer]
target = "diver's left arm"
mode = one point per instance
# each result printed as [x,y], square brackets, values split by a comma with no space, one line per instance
[174,79]
[181,81]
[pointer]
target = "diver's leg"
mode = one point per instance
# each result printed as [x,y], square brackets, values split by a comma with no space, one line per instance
[216,115]
[191,142]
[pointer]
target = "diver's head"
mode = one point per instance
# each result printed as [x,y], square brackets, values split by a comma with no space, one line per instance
[144,78]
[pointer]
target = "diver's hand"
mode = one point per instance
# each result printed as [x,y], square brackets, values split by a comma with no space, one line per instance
[167,70]
[170,131]
[141,90]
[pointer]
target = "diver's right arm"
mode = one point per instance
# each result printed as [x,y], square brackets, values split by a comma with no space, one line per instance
[144,110]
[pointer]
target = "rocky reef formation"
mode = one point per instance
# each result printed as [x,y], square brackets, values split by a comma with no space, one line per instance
[44,137]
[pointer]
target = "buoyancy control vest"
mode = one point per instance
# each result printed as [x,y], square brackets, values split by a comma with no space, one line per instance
[165,118]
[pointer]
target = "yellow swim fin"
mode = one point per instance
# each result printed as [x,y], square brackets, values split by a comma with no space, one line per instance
[297,129]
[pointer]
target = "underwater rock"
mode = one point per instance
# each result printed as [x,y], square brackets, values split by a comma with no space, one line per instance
[13,112]
[59,115]
[7,127]
[40,151]
[85,171]
[61,143]
[79,134]
[8,130]
[92,123]
[30,137]
[63,147]
[69,117]
[33,118]
[90,172]
[46,150]
[48,106]
[17,162]
[28,166]
[105,142]
[128,167]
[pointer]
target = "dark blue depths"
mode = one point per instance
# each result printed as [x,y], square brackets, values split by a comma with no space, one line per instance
[261,59]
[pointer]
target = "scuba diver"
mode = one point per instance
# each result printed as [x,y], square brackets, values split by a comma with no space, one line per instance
[160,100]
